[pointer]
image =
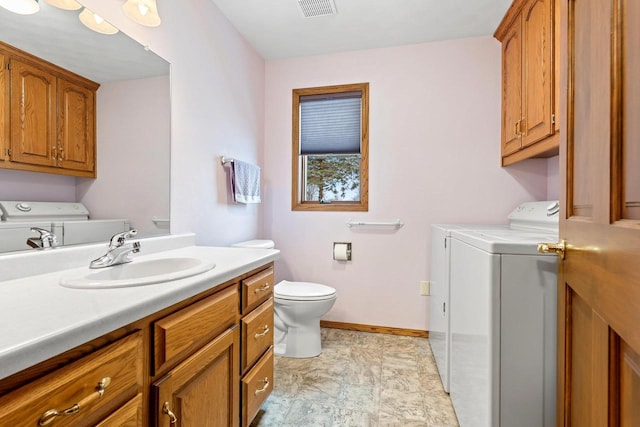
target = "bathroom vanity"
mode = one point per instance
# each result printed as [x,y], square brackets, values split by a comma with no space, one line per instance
[193,351]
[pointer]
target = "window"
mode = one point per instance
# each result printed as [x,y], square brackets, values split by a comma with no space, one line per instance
[331,148]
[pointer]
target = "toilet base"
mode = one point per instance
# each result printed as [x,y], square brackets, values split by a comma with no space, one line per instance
[300,342]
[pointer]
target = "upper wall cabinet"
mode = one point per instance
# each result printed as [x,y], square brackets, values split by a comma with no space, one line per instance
[47,116]
[529,75]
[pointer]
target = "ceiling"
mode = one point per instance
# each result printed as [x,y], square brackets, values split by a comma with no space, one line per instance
[277,28]
[59,37]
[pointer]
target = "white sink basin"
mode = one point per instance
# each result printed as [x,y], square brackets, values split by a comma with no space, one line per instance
[138,273]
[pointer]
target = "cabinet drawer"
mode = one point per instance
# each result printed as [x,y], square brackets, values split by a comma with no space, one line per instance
[256,386]
[257,333]
[75,387]
[129,415]
[256,289]
[180,333]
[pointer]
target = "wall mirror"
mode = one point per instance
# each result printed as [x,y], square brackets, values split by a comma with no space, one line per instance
[133,110]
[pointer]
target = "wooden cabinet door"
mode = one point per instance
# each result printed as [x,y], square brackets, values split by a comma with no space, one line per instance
[511,89]
[76,126]
[537,71]
[599,280]
[128,415]
[203,390]
[4,105]
[33,115]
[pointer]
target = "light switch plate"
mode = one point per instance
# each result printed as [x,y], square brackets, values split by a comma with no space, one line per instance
[425,287]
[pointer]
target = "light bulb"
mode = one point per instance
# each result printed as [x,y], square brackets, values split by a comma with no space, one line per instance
[96,22]
[144,12]
[21,7]
[65,4]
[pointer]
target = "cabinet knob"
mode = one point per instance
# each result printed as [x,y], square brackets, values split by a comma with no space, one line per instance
[264,332]
[262,289]
[264,387]
[50,416]
[167,411]
[522,124]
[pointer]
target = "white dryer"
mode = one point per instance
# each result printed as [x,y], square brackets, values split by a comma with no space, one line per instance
[503,321]
[439,293]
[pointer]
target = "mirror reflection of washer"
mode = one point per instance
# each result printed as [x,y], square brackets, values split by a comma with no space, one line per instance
[69,221]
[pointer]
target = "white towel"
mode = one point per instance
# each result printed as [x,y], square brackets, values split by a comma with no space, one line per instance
[245,182]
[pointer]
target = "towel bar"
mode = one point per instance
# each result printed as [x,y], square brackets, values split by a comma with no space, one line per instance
[353,223]
[161,222]
[226,161]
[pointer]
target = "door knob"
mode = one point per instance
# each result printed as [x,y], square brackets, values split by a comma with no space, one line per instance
[556,248]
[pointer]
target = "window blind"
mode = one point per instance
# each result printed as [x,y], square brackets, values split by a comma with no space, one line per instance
[330,124]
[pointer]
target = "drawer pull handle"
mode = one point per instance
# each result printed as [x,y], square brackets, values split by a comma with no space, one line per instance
[50,416]
[167,411]
[264,388]
[262,289]
[264,332]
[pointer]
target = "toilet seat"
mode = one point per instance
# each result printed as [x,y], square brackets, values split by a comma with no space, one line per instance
[303,291]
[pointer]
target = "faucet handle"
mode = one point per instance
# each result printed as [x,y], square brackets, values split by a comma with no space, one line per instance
[47,239]
[120,239]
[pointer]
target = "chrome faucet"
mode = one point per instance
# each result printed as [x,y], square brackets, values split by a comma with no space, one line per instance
[118,252]
[46,239]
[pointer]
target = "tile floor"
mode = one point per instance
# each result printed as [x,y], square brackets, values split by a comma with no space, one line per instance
[360,379]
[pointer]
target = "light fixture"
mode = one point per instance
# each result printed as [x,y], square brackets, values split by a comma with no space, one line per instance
[96,22]
[65,4]
[144,12]
[22,7]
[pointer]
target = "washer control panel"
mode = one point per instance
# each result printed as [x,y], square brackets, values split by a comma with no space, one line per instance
[27,211]
[536,215]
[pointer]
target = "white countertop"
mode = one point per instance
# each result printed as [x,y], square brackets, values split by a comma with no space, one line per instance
[40,319]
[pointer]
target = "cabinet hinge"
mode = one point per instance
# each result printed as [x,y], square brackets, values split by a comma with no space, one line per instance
[8,151]
[445,243]
[8,65]
[553,119]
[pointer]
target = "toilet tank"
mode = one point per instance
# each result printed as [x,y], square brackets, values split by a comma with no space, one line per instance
[257,244]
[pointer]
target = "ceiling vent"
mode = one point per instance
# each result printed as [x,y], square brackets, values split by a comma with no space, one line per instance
[312,8]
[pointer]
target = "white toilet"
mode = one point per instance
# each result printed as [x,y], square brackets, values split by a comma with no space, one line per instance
[298,308]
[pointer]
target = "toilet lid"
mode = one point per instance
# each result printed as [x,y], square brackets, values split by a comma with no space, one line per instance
[303,291]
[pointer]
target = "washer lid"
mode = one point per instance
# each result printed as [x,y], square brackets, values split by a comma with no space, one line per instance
[260,244]
[303,291]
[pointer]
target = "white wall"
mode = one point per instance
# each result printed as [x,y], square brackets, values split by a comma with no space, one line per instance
[553,178]
[34,186]
[133,133]
[434,157]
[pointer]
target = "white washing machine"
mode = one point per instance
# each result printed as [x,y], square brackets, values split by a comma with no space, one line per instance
[67,220]
[439,293]
[503,321]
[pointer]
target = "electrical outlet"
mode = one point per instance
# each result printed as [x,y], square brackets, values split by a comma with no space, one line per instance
[425,287]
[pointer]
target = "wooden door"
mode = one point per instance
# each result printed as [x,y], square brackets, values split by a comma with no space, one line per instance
[599,281]
[204,390]
[33,115]
[537,71]
[511,89]
[76,126]
[4,106]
